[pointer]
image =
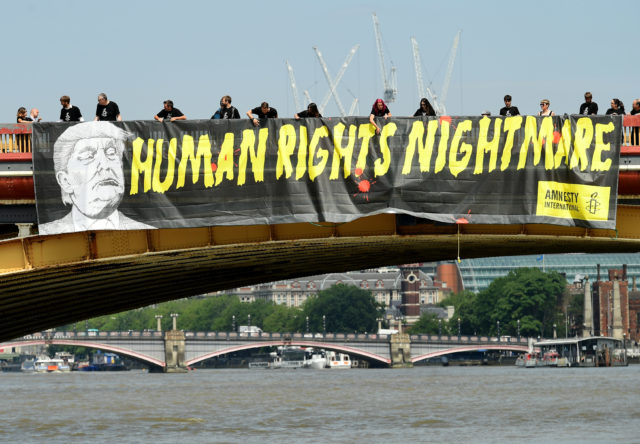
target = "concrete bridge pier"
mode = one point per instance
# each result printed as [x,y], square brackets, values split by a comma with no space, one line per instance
[174,348]
[400,350]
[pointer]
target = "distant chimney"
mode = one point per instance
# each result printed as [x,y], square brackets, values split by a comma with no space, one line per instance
[634,284]
[598,275]
[624,272]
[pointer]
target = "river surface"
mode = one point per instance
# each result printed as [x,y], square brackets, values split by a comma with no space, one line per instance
[423,404]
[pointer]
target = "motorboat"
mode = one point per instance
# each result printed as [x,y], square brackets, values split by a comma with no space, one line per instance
[337,360]
[315,359]
[45,364]
[527,360]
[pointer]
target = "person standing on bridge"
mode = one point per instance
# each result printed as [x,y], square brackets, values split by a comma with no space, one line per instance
[509,110]
[264,111]
[87,160]
[169,113]
[69,113]
[545,111]
[617,108]
[425,109]
[311,111]
[226,111]
[589,107]
[635,131]
[107,110]
[379,109]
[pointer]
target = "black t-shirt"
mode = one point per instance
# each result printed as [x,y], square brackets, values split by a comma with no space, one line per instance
[633,112]
[509,111]
[304,114]
[229,113]
[164,114]
[271,114]
[108,112]
[72,114]
[588,108]
[380,112]
[615,112]
[421,112]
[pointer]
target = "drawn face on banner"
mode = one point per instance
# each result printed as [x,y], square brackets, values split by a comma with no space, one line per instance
[94,178]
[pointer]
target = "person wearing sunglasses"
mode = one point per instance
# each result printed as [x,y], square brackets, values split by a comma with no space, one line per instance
[545,111]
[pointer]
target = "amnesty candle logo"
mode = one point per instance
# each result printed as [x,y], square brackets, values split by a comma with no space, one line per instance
[572,201]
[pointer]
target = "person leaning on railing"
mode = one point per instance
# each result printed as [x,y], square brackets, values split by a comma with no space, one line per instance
[635,131]
[22,140]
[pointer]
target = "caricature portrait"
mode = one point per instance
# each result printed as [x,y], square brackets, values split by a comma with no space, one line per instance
[88,167]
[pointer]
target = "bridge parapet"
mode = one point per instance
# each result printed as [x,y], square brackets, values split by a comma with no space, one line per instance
[451,339]
[267,337]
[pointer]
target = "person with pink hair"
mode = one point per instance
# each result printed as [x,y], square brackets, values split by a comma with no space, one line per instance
[379,109]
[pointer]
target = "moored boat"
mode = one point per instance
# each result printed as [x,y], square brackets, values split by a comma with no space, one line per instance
[45,364]
[337,360]
[593,351]
[527,360]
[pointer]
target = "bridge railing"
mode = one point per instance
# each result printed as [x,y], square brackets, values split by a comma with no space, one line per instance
[92,334]
[472,339]
[631,130]
[267,336]
[15,138]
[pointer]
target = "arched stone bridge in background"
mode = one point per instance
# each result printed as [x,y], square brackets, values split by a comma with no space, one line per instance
[174,350]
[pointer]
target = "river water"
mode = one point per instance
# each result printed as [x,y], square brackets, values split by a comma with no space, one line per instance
[423,404]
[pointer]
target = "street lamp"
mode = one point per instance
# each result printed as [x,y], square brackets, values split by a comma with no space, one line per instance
[159,322]
[307,324]
[498,322]
[324,325]
[459,331]
[518,330]
[174,317]
[233,323]
[249,321]
[439,328]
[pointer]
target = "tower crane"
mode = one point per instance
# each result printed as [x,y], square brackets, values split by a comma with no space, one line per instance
[421,88]
[334,83]
[294,88]
[390,85]
[330,82]
[438,103]
[447,78]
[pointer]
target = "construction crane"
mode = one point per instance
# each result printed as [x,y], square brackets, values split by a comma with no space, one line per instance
[447,78]
[438,103]
[390,85]
[294,88]
[334,84]
[422,91]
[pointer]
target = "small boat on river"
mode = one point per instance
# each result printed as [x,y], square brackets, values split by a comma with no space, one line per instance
[45,364]
[337,360]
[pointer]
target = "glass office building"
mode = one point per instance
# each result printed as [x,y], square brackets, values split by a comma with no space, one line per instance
[477,274]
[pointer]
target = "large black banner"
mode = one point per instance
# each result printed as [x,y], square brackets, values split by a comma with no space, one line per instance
[141,174]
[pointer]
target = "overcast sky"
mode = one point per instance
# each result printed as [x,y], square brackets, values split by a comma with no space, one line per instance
[142,52]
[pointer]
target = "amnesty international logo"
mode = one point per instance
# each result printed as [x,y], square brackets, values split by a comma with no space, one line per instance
[573,201]
[594,203]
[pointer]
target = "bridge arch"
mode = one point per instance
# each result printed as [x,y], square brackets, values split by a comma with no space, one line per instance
[90,344]
[300,343]
[467,348]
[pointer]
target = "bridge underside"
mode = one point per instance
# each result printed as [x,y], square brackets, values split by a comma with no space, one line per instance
[122,351]
[48,281]
[355,350]
[472,348]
